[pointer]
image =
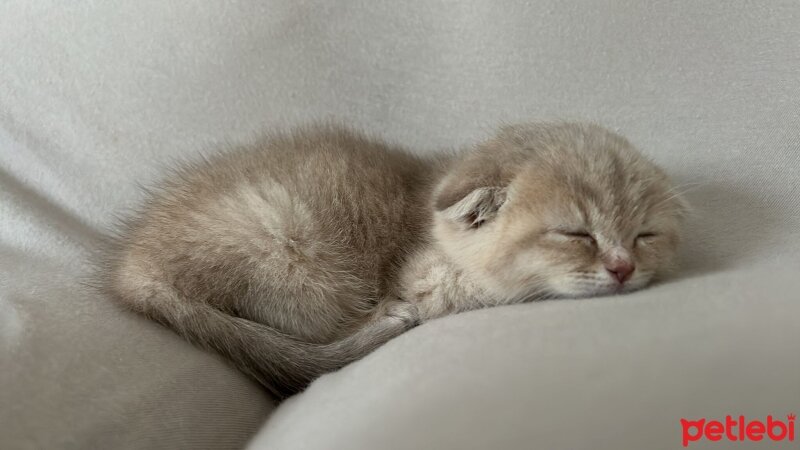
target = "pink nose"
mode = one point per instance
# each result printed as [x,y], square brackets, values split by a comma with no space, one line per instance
[620,270]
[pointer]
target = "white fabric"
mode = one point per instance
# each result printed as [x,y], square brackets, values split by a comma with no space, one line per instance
[95,96]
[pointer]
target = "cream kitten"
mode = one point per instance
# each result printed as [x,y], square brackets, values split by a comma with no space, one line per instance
[307,251]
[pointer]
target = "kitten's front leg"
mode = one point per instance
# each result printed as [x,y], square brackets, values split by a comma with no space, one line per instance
[394,310]
[390,319]
[437,287]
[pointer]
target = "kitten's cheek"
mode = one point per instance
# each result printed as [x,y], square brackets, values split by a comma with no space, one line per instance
[568,287]
[638,282]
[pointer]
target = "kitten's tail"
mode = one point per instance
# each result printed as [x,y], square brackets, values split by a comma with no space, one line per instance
[283,364]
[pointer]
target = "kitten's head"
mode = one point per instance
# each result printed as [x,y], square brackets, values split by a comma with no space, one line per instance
[567,210]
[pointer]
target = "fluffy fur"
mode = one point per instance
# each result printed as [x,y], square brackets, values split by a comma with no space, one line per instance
[308,250]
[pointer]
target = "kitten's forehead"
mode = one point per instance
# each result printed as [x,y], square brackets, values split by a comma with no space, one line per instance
[603,184]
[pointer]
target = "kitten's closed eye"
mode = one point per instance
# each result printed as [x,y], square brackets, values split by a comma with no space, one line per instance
[645,239]
[575,234]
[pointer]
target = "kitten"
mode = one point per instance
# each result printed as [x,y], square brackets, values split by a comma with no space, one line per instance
[308,250]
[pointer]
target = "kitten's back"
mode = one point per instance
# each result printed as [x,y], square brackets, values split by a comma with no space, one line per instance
[280,246]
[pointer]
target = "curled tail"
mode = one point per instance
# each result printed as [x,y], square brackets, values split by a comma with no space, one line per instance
[282,363]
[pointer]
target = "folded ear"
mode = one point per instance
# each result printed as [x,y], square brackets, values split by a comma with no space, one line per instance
[473,209]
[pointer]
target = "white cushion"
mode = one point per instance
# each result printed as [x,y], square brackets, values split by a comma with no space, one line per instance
[95,97]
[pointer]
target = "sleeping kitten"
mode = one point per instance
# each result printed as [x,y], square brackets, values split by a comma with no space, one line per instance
[307,251]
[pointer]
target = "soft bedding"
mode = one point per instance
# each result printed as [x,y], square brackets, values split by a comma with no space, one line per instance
[96,96]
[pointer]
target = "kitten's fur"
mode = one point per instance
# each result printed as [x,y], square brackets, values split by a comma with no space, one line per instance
[307,251]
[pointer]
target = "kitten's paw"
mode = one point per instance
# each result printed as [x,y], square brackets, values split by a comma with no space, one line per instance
[403,311]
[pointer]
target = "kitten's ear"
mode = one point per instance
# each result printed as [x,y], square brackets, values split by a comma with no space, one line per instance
[473,209]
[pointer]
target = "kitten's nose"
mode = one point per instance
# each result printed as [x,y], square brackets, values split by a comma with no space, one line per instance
[621,270]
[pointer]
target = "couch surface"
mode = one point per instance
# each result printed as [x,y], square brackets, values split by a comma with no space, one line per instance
[96,96]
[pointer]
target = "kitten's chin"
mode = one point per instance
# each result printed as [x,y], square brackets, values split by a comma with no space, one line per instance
[568,289]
